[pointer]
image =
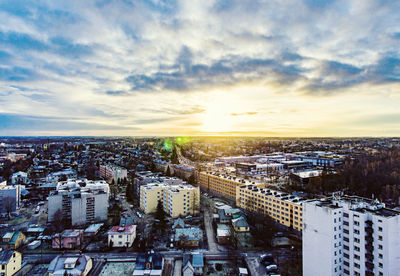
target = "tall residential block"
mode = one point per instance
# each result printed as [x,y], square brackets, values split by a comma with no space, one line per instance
[176,199]
[348,235]
[284,208]
[79,205]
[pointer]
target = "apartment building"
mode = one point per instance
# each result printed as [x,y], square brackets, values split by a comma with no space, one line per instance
[92,185]
[10,197]
[176,199]
[112,172]
[224,185]
[348,235]
[284,208]
[79,206]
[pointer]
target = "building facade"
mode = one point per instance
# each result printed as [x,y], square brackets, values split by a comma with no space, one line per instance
[79,206]
[10,262]
[221,184]
[112,172]
[350,236]
[176,199]
[122,236]
[284,208]
[10,197]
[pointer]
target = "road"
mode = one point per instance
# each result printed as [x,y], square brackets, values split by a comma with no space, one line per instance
[212,245]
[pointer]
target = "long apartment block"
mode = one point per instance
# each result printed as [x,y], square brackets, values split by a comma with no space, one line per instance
[176,199]
[221,184]
[284,208]
[348,235]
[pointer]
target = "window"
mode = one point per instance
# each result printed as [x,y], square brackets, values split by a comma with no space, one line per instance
[357,240]
[380,246]
[356,248]
[346,215]
[356,265]
[381,265]
[380,238]
[380,229]
[346,223]
[357,257]
[345,247]
[356,223]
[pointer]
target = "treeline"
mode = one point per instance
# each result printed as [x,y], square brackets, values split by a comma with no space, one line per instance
[367,175]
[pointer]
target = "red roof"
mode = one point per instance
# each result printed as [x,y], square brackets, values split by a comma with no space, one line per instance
[129,229]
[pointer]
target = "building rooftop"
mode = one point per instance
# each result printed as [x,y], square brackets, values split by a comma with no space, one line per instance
[119,230]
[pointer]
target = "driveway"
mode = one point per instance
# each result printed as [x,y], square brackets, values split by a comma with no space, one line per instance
[212,245]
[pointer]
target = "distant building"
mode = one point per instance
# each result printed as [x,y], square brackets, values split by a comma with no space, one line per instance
[122,236]
[176,199]
[112,172]
[20,178]
[149,264]
[79,206]
[303,178]
[70,264]
[88,185]
[240,225]
[349,235]
[13,240]
[224,185]
[10,262]
[68,239]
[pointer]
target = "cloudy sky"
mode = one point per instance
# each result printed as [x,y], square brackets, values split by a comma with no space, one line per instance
[232,67]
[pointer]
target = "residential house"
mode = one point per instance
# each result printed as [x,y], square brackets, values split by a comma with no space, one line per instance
[188,236]
[92,229]
[193,264]
[240,225]
[149,264]
[71,265]
[10,262]
[69,239]
[122,236]
[179,223]
[13,240]
[223,218]
[223,234]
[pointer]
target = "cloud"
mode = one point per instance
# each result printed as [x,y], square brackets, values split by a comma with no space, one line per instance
[244,113]
[11,122]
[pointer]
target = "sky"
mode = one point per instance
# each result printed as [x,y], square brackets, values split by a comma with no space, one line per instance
[200,67]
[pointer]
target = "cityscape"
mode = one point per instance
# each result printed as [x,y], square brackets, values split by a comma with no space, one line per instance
[201,137]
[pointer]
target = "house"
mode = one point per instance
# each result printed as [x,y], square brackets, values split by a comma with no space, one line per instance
[122,236]
[188,236]
[70,264]
[223,218]
[92,230]
[179,223]
[13,240]
[233,212]
[125,220]
[10,262]
[193,264]
[243,271]
[240,225]
[149,264]
[223,234]
[70,239]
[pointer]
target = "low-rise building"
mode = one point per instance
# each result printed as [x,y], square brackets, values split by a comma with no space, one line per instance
[13,240]
[70,264]
[240,225]
[122,236]
[69,239]
[223,234]
[149,264]
[10,262]
[193,264]
[19,178]
[190,237]
[10,197]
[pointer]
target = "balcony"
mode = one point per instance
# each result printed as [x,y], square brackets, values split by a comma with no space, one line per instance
[369,239]
[369,257]
[369,266]
[369,247]
[369,230]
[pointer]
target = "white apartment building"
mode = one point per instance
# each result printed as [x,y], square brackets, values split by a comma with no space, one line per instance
[176,199]
[79,206]
[350,236]
[92,185]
